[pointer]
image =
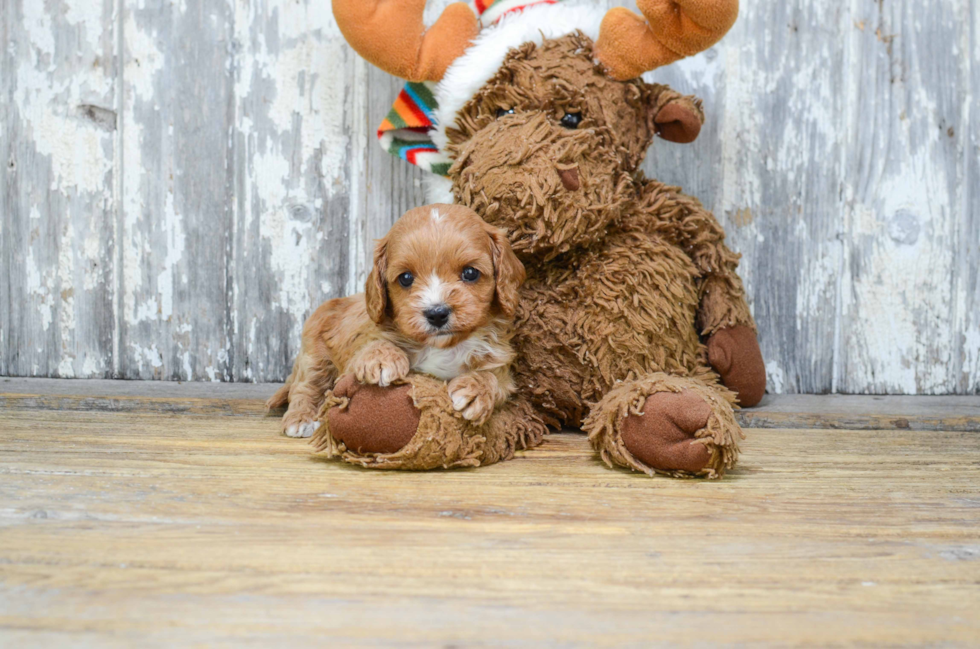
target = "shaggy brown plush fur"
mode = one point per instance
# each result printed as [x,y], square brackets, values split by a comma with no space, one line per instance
[626,277]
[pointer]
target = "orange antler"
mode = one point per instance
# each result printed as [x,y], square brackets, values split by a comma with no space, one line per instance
[628,45]
[391,35]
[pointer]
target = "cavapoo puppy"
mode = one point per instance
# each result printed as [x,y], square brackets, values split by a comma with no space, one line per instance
[439,300]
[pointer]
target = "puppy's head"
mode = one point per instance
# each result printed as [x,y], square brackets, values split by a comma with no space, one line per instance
[441,273]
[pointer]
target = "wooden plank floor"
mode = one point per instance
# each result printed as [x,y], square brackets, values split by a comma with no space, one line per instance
[193,523]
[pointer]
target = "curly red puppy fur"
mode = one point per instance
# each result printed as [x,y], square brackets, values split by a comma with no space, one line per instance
[439,300]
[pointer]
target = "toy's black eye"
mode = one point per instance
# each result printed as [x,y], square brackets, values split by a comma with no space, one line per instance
[504,111]
[571,120]
[470,274]
[406,279]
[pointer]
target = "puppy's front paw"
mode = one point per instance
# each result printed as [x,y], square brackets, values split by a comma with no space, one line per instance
[472,397]
[302,429]
[381,364]
[299,420]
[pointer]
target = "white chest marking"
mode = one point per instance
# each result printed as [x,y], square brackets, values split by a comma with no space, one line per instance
[447,364]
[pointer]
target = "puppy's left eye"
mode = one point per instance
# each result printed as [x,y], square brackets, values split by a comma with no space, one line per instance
[571,120]
[406,279]
[470,274]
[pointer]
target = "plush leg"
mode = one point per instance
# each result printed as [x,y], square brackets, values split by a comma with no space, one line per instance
[674,425]
[414,426]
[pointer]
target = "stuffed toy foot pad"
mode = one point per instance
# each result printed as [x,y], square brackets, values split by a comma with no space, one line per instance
[376,419]
[734,353]
[675,425]
[663,436]
[414,426]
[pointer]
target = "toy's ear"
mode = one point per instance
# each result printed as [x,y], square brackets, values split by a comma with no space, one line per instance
[376,287]
[508,271]
[678,118]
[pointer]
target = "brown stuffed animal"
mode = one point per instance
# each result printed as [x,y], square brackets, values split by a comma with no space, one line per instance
[632,323]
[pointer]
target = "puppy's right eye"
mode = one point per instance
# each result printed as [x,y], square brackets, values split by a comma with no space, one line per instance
[406,279]
[504,111]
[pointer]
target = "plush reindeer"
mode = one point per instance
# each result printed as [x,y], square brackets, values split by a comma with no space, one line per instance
[633,323]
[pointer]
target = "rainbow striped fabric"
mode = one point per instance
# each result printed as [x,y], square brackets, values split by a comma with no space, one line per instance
[405,131]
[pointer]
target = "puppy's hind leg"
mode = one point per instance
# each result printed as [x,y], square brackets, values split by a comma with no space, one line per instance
[309,382]
[281,398]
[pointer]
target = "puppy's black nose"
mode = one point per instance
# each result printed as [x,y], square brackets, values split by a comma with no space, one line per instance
[438,315]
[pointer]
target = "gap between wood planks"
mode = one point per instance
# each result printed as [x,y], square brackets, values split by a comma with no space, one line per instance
[834,411]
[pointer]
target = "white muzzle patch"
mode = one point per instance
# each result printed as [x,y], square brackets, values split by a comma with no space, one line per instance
[433,293]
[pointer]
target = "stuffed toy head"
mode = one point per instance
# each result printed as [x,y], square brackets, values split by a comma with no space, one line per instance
[538,118]
[548,148]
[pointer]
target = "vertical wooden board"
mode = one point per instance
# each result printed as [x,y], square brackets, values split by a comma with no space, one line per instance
[176,210]
[768,169]
[296,156]
[966,273]
[57,123]
[903,192]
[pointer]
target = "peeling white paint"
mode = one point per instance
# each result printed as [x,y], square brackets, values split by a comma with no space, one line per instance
[292,254]
[46,99]
[971,358]
[38,288]
[37,23]
[92,367]
[173,226]
[143,62]
[149,355]
[87,16]
[92,248]
[66,305]
[310,84]
[775,378]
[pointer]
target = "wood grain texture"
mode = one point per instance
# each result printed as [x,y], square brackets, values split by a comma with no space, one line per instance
[904,200]
[123,529]
[176,209]
[185,181]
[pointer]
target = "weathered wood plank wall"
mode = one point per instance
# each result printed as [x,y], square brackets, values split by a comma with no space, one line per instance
[183,181]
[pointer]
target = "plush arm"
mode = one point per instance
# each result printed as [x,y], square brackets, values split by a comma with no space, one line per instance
[682,221]
[724,319]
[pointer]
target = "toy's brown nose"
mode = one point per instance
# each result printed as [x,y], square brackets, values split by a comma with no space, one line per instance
[569,178]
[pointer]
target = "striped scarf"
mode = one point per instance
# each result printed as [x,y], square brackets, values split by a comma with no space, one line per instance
[405,131]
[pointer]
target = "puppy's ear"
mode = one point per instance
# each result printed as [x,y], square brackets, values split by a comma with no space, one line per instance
[376,288]
[508,271]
